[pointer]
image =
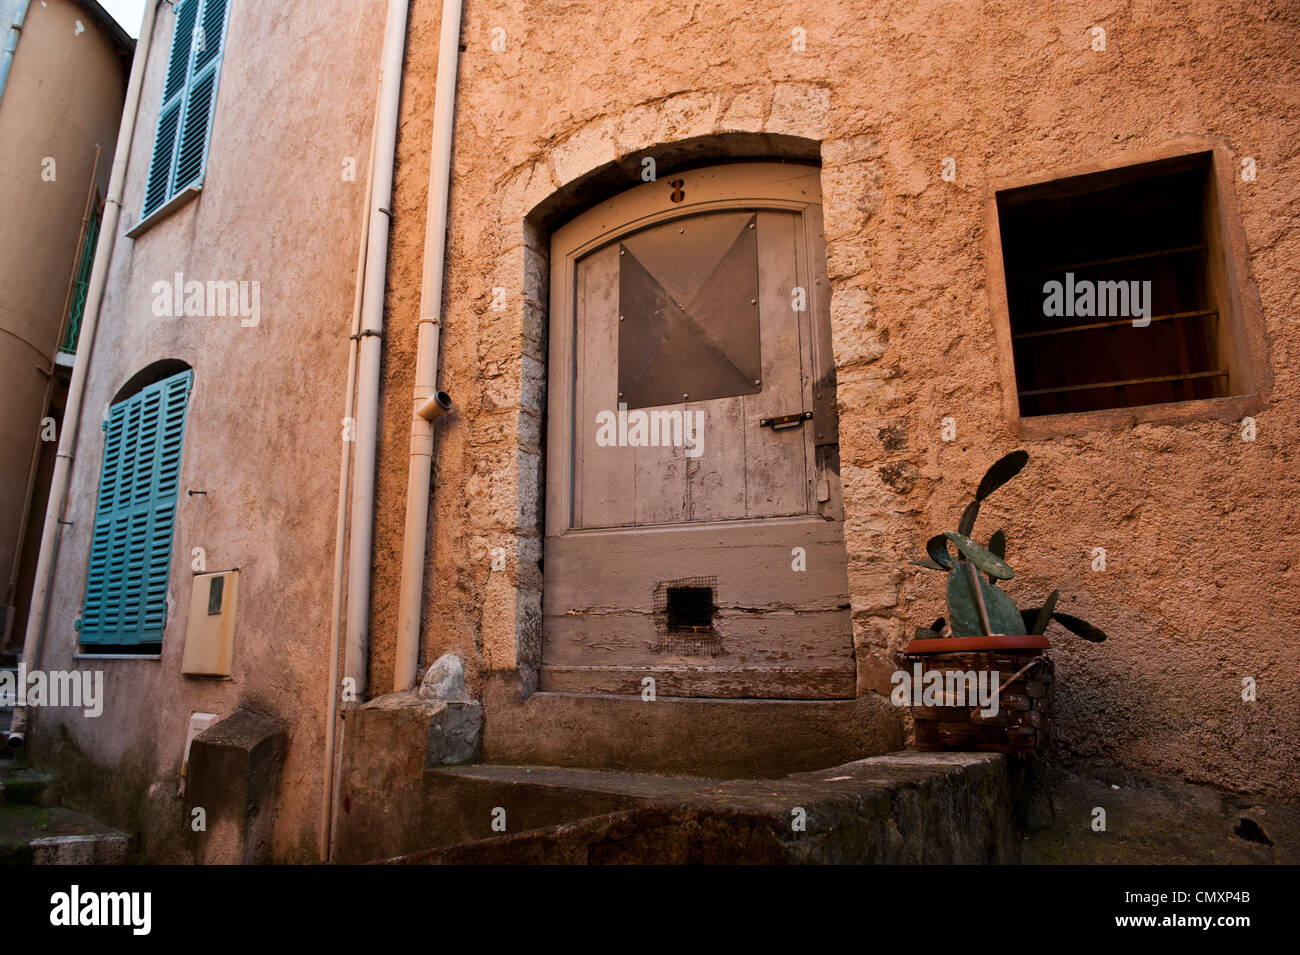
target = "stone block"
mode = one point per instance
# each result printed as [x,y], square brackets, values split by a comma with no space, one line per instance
[388,743]
[234,777]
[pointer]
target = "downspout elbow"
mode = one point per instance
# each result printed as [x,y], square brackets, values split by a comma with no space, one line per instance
[439,404]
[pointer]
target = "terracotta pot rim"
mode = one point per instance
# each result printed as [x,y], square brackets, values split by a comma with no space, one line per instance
[1030,641]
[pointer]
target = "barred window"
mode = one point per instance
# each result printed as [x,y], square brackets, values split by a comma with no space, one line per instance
[1117,289]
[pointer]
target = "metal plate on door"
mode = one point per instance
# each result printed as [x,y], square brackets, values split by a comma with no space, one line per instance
[688,321]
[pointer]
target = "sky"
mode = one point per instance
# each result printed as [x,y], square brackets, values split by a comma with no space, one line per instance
[126,12]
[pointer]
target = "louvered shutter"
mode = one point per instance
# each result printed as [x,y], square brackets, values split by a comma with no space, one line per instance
[189,95]
[208,39]
[135,513]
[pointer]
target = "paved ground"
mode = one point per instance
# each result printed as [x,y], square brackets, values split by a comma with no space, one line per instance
[1151,820]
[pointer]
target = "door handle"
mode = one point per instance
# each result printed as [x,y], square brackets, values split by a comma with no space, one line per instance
[785,422]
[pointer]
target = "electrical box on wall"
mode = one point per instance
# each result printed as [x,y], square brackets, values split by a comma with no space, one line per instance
[210,639]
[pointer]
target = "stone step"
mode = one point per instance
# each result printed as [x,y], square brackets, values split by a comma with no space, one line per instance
[52,835]
[720,738]
[531,797]
[463,803]
[25,786]
[905,807]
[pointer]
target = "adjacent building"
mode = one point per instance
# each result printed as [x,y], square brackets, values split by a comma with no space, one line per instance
[62,80]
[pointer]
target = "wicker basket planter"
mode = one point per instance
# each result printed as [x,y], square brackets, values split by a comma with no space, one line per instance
[1025,674]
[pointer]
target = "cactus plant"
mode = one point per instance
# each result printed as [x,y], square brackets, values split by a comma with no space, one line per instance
[977,606]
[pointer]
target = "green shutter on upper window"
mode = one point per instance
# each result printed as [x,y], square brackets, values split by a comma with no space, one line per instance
[189,97]
[160,167]
[178,62]
[135,513]
[194,134]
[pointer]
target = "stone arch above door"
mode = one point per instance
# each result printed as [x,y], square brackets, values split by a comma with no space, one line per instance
[603,155]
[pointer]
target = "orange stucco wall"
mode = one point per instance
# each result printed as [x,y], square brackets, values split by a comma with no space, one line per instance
[1198,591]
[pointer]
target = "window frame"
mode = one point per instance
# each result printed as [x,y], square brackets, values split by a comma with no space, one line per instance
[1241,306]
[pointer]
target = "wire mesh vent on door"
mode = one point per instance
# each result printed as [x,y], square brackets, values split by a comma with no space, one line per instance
[684,612]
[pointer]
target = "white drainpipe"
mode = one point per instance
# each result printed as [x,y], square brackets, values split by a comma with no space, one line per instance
[430,404]
[372,325]
[341,515]
[85,343]
[11,43]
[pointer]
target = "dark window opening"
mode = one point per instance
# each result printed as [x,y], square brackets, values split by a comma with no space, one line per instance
[690,609]
[1117,289]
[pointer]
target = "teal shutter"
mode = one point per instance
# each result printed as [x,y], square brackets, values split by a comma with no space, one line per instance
[180,147]
[135,513]
[80,285]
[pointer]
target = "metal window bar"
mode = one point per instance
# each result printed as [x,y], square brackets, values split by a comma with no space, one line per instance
[1204,313]
[1180,250]
[1125,383]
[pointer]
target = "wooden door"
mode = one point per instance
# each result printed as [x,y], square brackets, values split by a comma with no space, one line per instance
[694,525]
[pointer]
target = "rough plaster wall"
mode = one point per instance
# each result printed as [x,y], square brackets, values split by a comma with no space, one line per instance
[296,98]
[1201,527]
[63,97]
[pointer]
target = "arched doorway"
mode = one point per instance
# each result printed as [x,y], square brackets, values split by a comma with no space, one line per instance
[694,524]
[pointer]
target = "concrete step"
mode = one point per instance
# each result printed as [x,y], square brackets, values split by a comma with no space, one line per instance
[725,739]
[465,803]
[24,786]
[905,807]
[52,835]
[471,799]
